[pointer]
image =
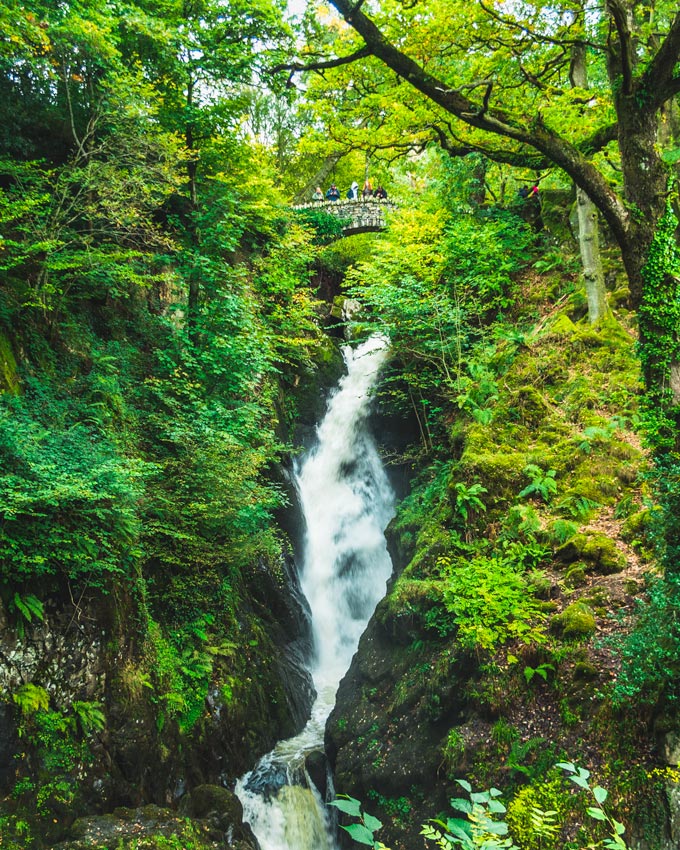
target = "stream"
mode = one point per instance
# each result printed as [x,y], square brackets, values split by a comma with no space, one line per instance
[347,501]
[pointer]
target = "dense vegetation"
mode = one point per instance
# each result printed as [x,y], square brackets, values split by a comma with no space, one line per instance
[153,307]
[162,337]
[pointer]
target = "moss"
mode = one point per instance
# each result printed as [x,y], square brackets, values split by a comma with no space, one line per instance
[585,670]
[9,380]
[575,575]
[619,297]
[501,470]
[530,405]
[577,620]
[555,453]
[635,526]
[595,549]
[563,326]
[597,487]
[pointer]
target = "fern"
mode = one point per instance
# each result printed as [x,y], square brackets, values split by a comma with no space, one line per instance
[90,716]
[30,699]
[542,483]
[563,530]
[28,608]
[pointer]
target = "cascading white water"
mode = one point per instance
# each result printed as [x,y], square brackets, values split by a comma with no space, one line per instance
[347,502]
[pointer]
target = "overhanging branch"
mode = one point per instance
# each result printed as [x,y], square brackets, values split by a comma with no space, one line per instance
[520,128]
[322,64]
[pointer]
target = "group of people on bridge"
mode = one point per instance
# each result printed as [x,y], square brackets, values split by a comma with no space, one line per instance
[333,193]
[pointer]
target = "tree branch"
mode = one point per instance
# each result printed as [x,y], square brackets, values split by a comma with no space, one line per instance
[626,54]
[533,35]
[599,140]
[321,65]
[455,147]
[658,78]
[519,128]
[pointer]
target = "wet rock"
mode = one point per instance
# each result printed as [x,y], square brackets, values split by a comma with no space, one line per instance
[267,779]
[149,826]
[9,747]
[392,712]
[317,768]
[221,809]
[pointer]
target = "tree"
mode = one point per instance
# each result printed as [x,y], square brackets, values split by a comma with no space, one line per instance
[497,81]
[200,55]
[588,230]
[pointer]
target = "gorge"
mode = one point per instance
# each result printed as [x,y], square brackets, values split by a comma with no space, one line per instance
[467,553]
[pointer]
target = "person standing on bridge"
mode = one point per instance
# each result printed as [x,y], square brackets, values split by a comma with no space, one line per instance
[354,189]
[333,194]
[318,194]
[368,189]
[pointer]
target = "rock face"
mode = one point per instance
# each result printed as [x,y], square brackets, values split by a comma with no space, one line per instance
[389,725]
[84,657]
[415,712]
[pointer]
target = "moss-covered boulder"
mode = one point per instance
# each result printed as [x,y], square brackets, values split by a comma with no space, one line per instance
[635,526]
[576,621]
[563,326]
[596,550]
[147,828]
[529,406]
[501,471]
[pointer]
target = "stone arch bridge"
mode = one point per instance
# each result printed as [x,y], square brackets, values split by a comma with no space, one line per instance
[362,216]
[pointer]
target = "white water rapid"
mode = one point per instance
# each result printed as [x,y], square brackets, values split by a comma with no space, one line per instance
[347,502]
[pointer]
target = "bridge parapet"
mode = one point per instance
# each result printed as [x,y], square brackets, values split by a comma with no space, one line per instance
[363,215]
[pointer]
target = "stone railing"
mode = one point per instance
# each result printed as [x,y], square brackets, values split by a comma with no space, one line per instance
[364,216]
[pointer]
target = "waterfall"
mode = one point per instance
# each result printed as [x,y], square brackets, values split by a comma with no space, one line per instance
[347,502]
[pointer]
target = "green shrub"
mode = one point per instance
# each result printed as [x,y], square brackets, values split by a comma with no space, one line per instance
[490,602]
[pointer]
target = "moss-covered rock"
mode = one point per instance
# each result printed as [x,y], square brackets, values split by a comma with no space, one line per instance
[563,326]
[575,575]
[585,670]
[147,828]
[501,471]
[576,621]
[597,550]
[635,525]
[529,405]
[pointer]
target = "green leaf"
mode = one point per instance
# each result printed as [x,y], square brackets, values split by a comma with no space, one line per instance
[461,805]
[464,785]
[359,833]
[349,806]
[619,827]
[461,830]
[600,794]
[566,765]
[596,814]
[371,822]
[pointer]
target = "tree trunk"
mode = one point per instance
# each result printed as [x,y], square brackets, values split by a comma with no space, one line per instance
[588,230]
[192,229]
[588,243]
